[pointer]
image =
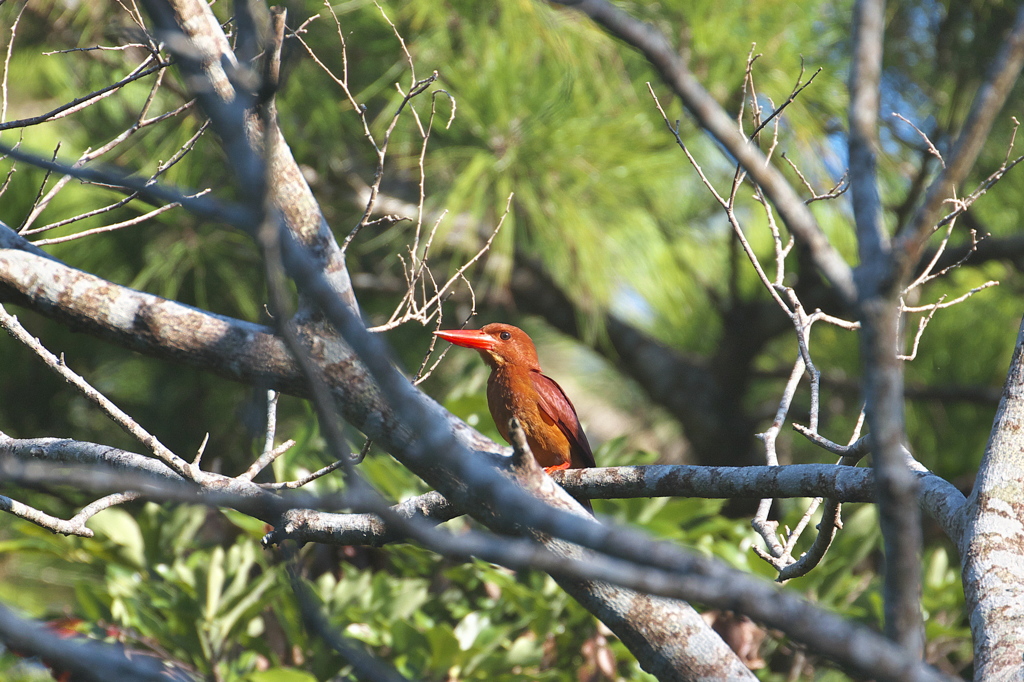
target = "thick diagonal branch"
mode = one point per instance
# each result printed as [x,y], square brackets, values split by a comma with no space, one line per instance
[216,76]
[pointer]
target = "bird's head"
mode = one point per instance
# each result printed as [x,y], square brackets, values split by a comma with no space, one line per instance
[499,344]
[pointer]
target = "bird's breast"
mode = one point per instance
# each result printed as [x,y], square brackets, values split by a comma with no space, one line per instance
[508,397]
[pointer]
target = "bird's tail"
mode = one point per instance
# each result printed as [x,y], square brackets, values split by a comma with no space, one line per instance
[586,504]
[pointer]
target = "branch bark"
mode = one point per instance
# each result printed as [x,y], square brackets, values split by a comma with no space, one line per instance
[993,541]
[846,484]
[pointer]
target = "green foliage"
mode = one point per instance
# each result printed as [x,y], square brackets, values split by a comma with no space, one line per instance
[196,582]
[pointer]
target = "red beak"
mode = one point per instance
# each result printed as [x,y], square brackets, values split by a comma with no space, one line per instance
[469,338]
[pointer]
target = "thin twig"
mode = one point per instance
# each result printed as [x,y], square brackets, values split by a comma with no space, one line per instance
[927,141]
[947,304]
[80,103]
[7,64]
[266,459]
[114,226]
[408,310]
[309,478]
[797,89]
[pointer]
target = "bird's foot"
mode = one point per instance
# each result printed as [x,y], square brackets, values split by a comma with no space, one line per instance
[557,467]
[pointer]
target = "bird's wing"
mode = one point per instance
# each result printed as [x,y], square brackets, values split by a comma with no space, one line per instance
[556,405]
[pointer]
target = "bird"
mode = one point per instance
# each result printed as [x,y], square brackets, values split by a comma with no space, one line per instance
[517,388]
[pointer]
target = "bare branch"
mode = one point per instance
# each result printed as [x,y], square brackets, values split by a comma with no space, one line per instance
[119,417]
[91,155]
[962,205]
[213,210]
[940,498]
[114,226]
[266,459]
[927,140]
[90,510]
[99,48]
[206,56]
[837,190]
[309,478]
[799,87]
[80,103]
[827,528]
[44,520]
[7,64]
[921,325]
[409,310]
[942,303]
[865,76]
[899,517]
[761,524]
[986,106]
[932,308]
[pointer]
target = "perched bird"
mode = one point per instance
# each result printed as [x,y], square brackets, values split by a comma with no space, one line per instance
[517,388]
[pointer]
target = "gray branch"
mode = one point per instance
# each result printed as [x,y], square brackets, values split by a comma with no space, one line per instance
[219,81]
[846,484]
[865,77]
[87,660]
[877,291]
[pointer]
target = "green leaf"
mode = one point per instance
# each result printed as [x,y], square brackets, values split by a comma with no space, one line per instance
[469,628]
[444,647]
[250,602]
[525,650]
[253,527]
[279,675]
[117,526]
[215,577]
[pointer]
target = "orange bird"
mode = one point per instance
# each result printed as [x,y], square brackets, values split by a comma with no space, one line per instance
[517,388]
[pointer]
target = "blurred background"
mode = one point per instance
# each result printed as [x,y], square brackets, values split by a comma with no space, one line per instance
[613,256]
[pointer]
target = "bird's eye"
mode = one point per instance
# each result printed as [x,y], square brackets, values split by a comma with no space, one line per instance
[504,336]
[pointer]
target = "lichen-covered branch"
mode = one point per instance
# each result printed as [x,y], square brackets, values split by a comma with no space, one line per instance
[993,541]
